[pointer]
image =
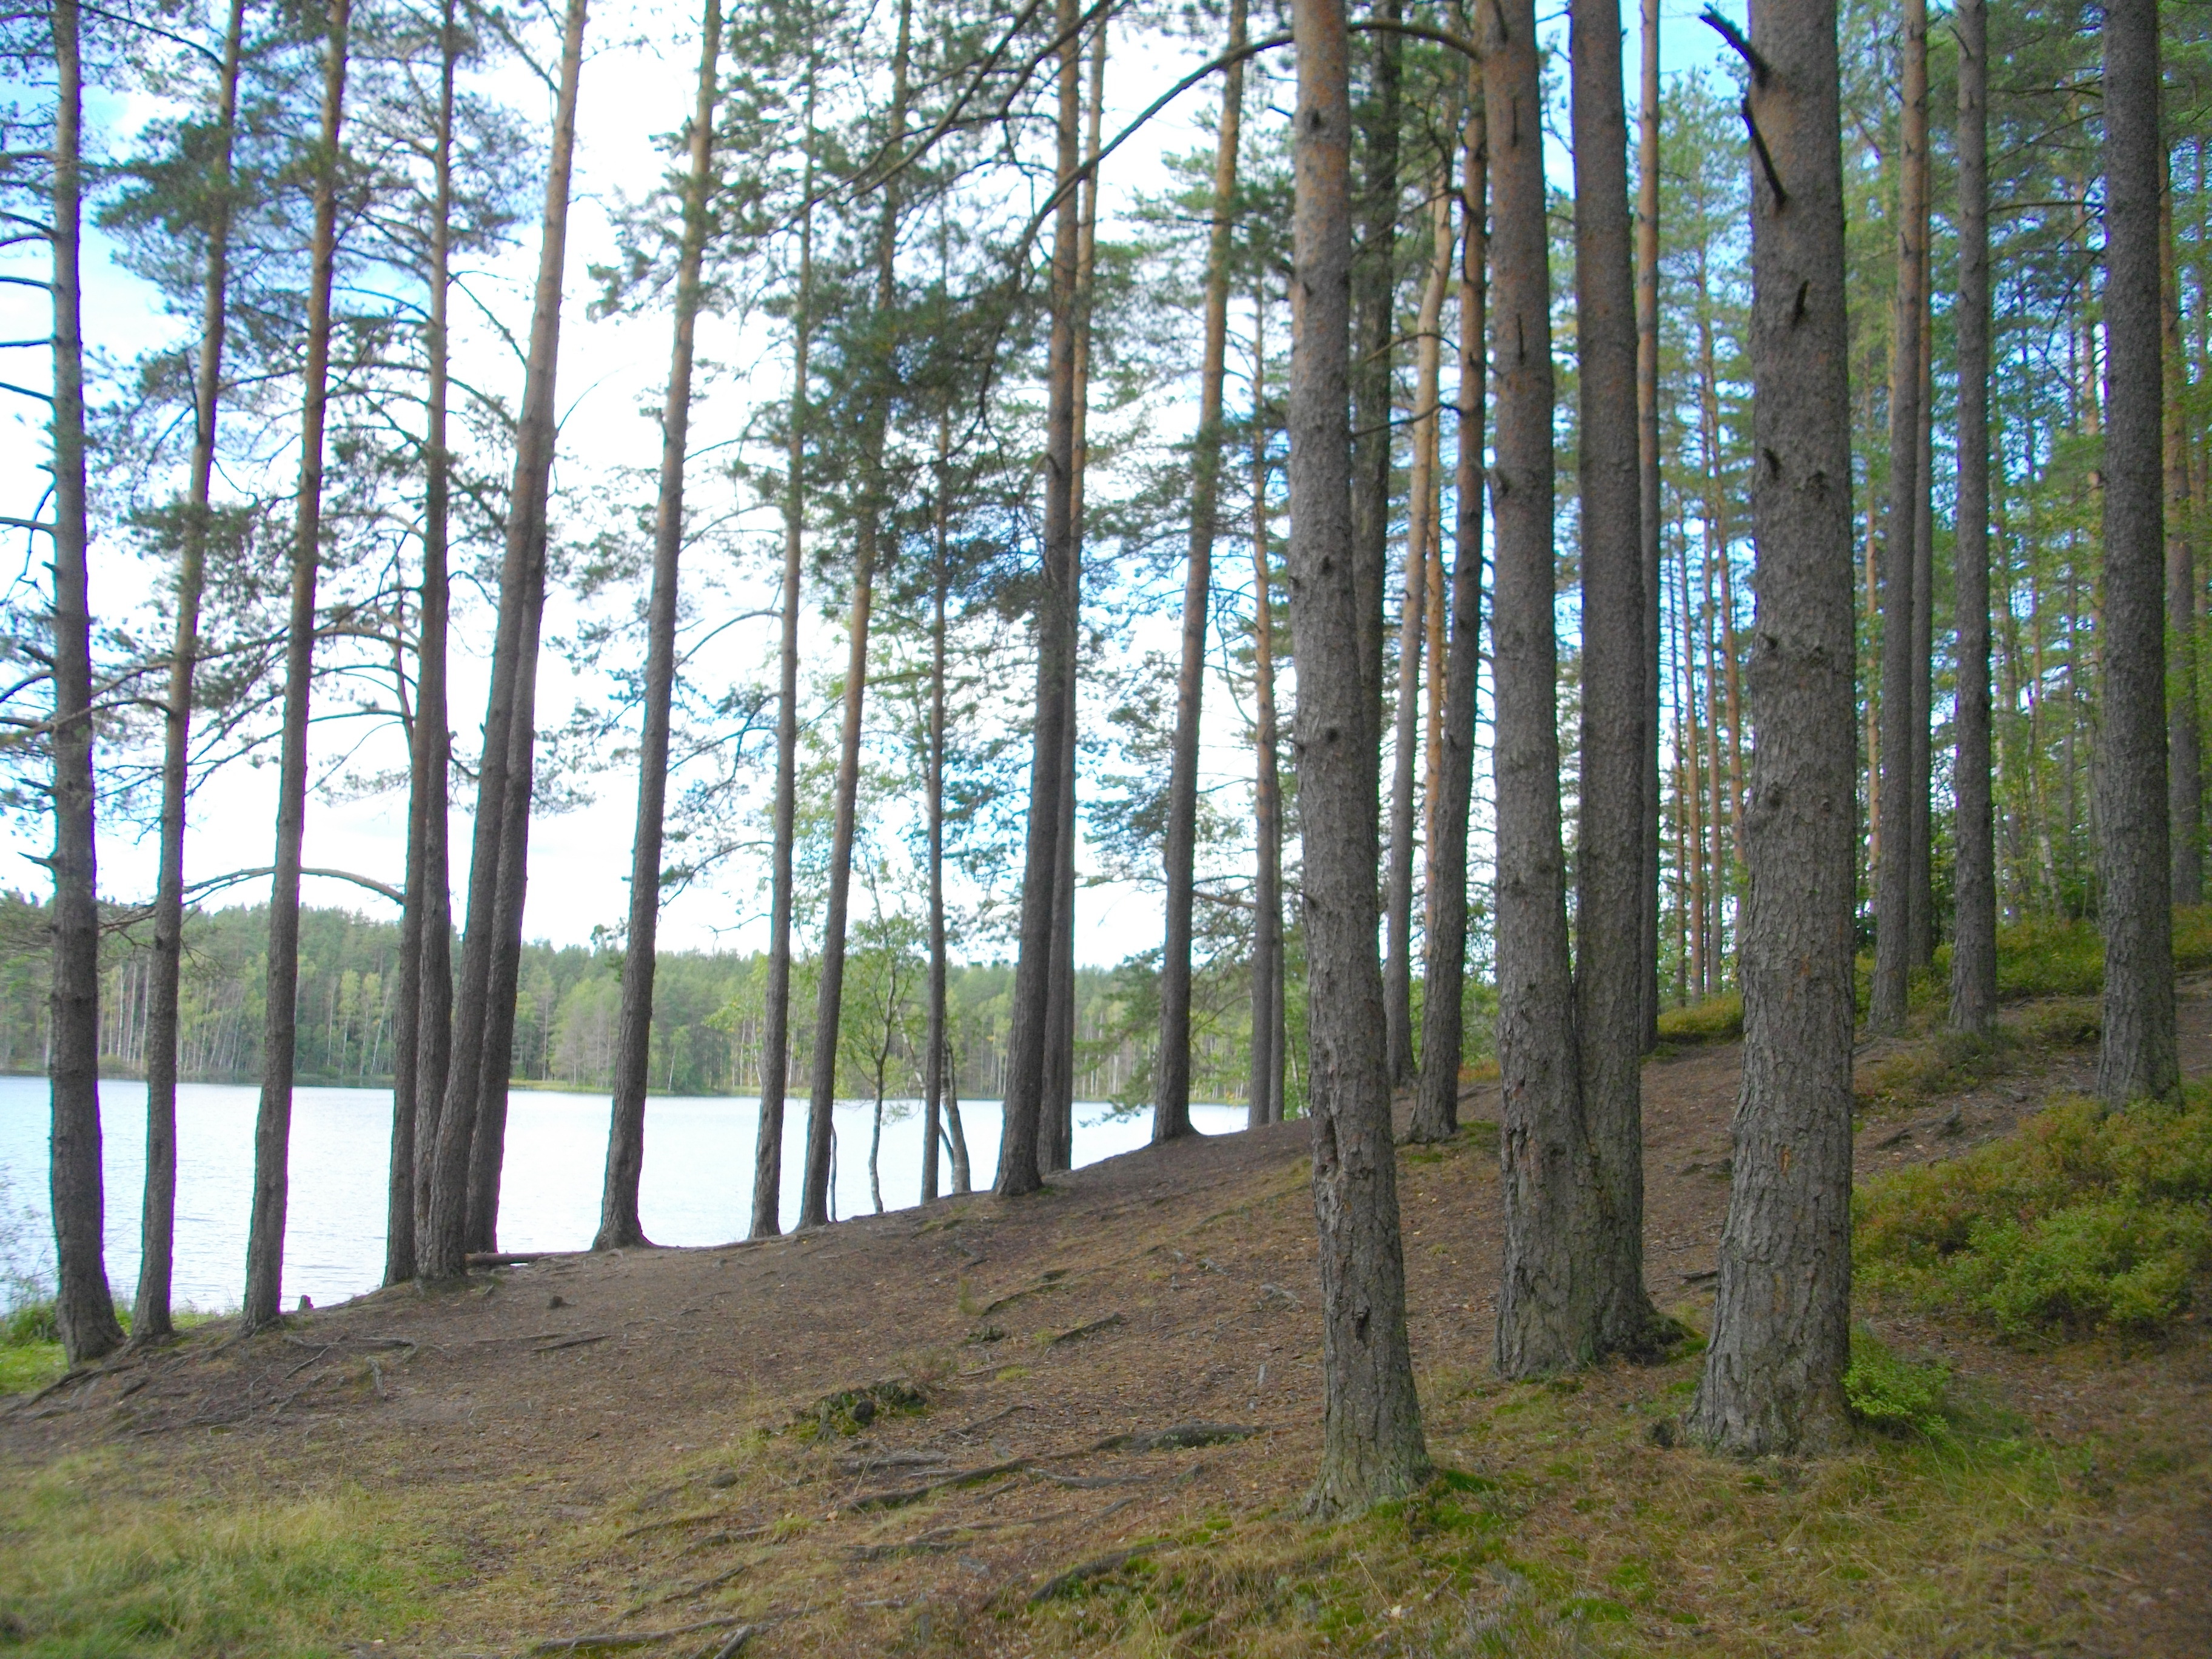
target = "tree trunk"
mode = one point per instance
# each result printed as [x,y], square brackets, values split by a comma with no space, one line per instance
[272,1127]
[430,887]
[776,1023]
[1436,1099]
[963,1175]
[1030,1021]
[619,1221]
[1171,1072]
[1374,331]
[1774,1377]
[933,1077]
[1650,505]
[2137,1059]
[829,990]
[84,1308]
[1920,894]
[1372,1447]
[1413,620]
[2183,732]
[1265,1090]
[1892,955]
[1974,902]
[1608,986]
[150,1320]
[475,1108]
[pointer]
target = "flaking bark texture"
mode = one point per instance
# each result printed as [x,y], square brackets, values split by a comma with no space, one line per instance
[1375,329]
[1774,1377]
[150,1319]
[1548,1300]
[619,1223]
[2137,1059]
[1372,1443]
[84,1308]
[1436,1096]
[1974,923]
[273,1123]
[1892,954]
[1609,971]
[1172,1067]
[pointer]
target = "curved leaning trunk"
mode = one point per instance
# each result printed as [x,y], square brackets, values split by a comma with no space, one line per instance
[619,1224]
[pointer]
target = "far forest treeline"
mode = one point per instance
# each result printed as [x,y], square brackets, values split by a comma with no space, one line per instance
[706,1024]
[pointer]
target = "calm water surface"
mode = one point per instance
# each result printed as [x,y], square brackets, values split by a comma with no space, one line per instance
[697,1186]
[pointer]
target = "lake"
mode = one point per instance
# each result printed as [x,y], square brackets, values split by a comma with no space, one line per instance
[697,1188]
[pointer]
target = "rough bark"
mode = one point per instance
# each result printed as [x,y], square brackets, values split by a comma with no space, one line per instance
[272,1125]
[955,1139]
[1374,330]
[1413,638]
[934,1079]
[2184,740]
[1436,1099]
[829,990]
[1030,1016]
[1609,972]
[619,1221]
[1920,891]
[1547,1305]
[150,1314]
[84,1308]
[475,1106]
[1893,956]
[1372,1447]
[1651,507]
[1172,1067]
[2137,1058]
[1774,1377]
[1265,1090]
[775,1033]
[1974,901]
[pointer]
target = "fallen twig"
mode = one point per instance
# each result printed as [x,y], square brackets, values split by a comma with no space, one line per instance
[692,1520]
[571,1342]
[689,1590]
[644,1638]
[1099,1568]
[1111,1319]
[891,1497]
[1179,1436]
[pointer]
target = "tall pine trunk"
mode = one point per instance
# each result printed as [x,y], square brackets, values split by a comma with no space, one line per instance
[1974,902]
[1547,1307]
[2185,738]
[272,1126]
[425,1046]
[830,988]
[1374,334]
[1029,1024]
[471,1122]
[1650,506]
[1412,635]
[1372,1447]
[1609,858]
[2137,1058]
[619,1221]
[775,1032]
[1264,1092]
[1773,1376]
[150,1316]
[1920,893]
[1894,879]
[1436,1099]
[84,1308]
[933,1078]
[1171,1072]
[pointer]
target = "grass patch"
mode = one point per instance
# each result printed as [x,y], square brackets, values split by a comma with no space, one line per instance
[1716,1020]
[1895,1394]
[2083,1221]
[90,1570]
[1944,1063]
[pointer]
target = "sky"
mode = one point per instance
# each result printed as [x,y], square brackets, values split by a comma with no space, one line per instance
[636,84]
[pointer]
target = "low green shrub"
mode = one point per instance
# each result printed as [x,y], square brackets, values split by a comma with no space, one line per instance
[1894,1394]
[2081,1221]
[31,1323]
[1716,1020]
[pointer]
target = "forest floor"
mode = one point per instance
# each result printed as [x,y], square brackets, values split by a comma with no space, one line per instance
[902,1434]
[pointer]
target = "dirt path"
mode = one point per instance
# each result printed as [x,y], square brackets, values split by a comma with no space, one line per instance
[585,1427]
